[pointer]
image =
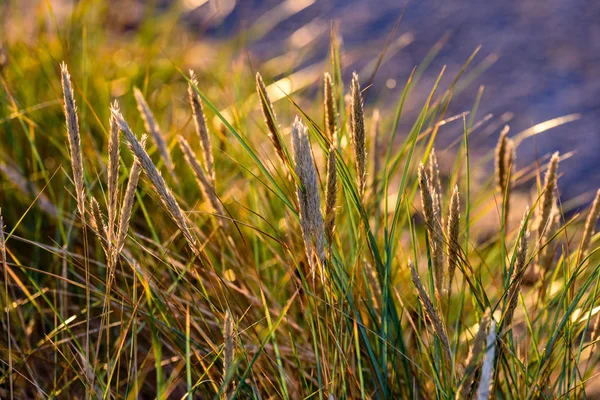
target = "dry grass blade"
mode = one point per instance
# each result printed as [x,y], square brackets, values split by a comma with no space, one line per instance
[113,174]
[435,237]
[376,148]
[201,126]
[330,110]
[74,139]
[330,195]
[588,230]
[357,121]
[204,183]
[154,130]
[164,193]
[517,273]
[6,302]
[311,219]
[487,369]
[544,258]
[269,115]
[430,311]
[477,347]
[452,231]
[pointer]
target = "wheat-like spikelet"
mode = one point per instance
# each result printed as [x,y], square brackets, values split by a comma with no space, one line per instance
[228,355]
[154,130]
[452,232]
[201,126]
[330,194]
[309,200]
[269,115]
[128,199]
[590,223]
[430,311]
[99,226]
[74,139]
[477,347]
[517,273]
[357,121]
[487,368]
[501,151]
[113,174]
[165,195]
[505,158]
[204,182]
[330,110]
[436,187]
[547,199]
[427,200]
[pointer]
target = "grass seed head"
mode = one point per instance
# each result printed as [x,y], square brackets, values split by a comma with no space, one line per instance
[269,116]
[74,139]
[330,110]
[357,121]
[430,311]
[154,130]
[309,200]
[158,182]
[201,126]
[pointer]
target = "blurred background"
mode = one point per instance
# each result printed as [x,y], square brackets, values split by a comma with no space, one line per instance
[539,60]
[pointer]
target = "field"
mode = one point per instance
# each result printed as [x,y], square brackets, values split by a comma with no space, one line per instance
[179,221]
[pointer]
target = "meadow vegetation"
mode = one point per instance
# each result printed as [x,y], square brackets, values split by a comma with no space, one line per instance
[171,233]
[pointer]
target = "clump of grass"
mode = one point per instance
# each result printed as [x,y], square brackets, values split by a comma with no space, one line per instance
[241,316]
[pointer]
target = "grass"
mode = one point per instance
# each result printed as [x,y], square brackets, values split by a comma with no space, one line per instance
[204,264]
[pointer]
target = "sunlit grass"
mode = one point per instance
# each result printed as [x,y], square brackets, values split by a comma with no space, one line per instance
[225,300]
